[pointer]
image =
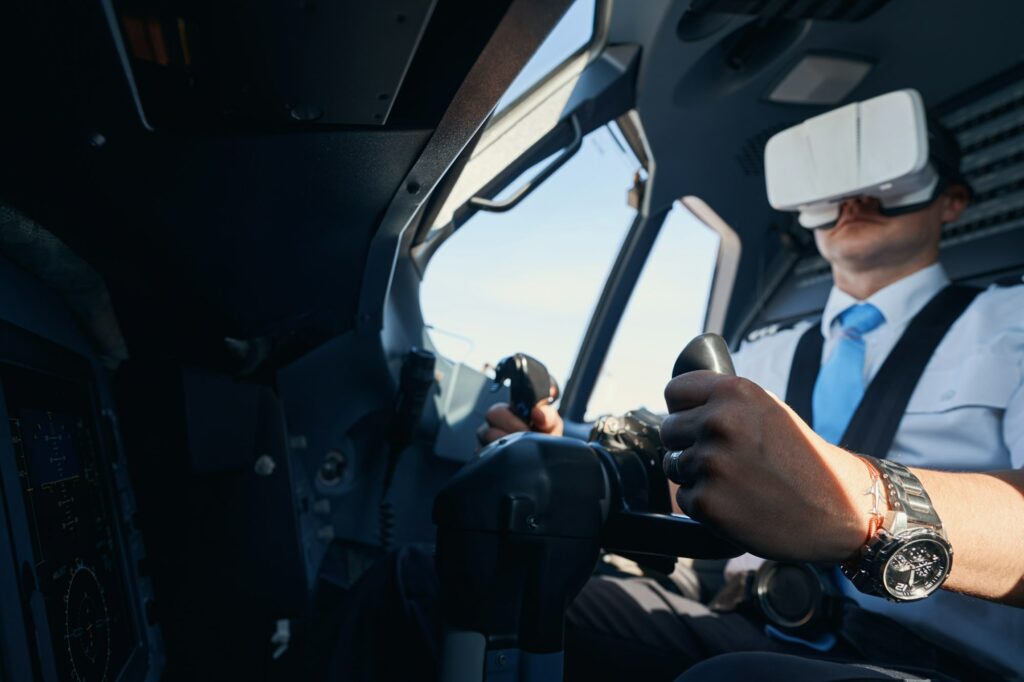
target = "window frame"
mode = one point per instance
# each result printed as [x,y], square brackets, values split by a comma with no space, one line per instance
[425,251]
[727,263]
[625,274]
[521,125]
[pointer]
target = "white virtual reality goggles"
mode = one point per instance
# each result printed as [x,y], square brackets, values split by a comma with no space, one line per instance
[882,147]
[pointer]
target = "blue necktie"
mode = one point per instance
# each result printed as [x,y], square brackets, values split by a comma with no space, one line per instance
[840,384]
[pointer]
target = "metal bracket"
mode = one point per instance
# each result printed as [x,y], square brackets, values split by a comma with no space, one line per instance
[527,187]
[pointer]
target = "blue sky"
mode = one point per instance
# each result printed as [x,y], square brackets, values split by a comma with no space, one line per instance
[573,31]
[528,280]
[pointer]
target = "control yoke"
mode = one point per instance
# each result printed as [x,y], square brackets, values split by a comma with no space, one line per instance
[521,528]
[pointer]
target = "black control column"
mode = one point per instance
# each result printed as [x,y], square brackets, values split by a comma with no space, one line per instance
[520,531]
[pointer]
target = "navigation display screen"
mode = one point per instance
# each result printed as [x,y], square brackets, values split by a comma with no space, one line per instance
[71,524]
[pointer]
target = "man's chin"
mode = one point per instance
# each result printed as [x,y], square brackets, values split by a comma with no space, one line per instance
[854,252]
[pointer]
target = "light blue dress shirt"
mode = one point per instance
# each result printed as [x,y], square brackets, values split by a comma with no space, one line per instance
[966,414]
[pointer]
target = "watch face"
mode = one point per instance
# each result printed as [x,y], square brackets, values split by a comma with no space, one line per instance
[916,569]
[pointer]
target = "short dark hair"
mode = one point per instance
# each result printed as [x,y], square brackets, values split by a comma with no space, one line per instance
[944,152]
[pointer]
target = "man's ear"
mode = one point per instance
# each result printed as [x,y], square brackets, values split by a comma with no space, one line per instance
[955,200]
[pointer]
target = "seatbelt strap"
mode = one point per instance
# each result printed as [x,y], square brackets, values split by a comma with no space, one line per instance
[873,426]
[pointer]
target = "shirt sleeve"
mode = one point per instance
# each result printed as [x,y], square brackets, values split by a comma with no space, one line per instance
[1008,342]
[1013,421]
[766,360]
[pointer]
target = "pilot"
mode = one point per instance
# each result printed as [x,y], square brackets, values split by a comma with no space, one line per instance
[752,468]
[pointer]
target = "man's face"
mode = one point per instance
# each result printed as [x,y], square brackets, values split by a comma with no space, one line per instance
[864,239]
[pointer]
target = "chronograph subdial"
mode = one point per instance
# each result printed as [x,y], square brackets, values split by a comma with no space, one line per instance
[87,626]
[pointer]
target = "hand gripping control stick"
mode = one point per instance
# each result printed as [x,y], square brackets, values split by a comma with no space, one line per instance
[707,352]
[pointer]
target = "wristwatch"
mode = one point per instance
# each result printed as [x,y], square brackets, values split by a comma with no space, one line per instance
[907,556]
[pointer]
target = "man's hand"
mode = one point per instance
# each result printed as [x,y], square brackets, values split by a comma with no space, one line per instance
[501,422]
[752,469]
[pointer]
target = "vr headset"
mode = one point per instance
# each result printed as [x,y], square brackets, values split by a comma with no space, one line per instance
[884,147]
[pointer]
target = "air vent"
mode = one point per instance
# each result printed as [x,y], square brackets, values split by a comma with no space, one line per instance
[794,10]
[990,130]
[750,157]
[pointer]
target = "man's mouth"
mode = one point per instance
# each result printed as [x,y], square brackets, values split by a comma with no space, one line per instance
[843,222]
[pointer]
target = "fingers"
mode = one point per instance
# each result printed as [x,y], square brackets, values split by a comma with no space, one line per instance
[681,430]
[693,501]
[693,469]
[488,434]
[692,389]
[686,468]
[501,421]
[546,419]
[501,417]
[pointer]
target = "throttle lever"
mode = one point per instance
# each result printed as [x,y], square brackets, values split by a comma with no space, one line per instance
[706,352]
[529,383]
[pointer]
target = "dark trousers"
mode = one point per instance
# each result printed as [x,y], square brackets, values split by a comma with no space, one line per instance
[616,629]
[764,667]
[636,628]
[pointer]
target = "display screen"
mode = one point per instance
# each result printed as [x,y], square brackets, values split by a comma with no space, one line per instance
[71,524]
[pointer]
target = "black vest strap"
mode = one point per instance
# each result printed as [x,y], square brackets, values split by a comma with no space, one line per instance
[873,427]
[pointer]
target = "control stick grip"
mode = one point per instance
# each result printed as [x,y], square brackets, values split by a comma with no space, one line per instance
[529,383]
[708,352]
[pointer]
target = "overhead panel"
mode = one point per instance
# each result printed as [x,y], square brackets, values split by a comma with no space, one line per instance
[820,79]
[286,62]
[827,10]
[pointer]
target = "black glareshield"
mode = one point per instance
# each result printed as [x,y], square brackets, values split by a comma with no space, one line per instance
[521,528]
[529,383]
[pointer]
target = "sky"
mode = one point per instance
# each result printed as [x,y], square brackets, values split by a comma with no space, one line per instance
[573,31]
[528,280]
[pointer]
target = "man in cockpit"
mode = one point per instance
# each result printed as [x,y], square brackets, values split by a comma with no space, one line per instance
[965,414]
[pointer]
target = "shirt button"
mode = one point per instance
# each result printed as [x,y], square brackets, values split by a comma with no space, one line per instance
[948,395]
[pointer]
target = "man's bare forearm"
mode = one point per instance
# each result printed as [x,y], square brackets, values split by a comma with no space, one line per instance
[752,469]
[983,514]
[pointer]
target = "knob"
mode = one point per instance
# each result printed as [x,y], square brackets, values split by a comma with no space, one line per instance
[707,351]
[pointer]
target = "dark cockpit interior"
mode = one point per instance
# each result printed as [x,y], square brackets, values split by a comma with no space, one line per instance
[214,221]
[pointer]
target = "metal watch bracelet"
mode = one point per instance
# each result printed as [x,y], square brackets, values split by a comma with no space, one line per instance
[910,517]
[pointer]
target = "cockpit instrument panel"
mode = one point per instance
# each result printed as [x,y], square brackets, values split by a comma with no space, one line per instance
[71,570]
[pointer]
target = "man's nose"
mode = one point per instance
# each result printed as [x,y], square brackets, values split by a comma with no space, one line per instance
[859,206]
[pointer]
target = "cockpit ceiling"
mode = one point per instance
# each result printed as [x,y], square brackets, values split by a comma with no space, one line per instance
[707,115]
[200,64]
[246,214]
[704,105]
[240,212]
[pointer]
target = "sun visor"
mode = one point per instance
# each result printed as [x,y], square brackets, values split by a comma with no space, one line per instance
[877,148]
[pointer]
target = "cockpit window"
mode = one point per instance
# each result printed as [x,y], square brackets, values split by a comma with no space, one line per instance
[528,280]
[679,269]
[575,30]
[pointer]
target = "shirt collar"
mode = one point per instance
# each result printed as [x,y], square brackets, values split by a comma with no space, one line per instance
[898,302]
